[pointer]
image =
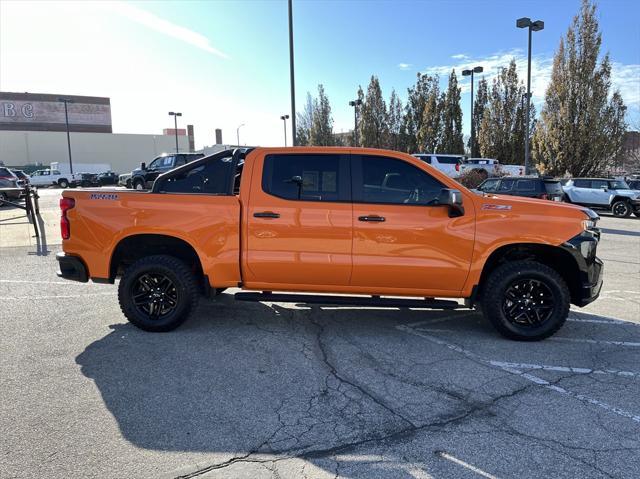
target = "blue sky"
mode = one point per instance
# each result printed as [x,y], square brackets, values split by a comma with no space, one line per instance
[223,63]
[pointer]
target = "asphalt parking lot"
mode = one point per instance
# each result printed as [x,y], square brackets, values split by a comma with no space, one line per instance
[285,390]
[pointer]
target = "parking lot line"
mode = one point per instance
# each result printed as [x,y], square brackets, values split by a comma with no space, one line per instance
[441,320]
[466,465]
[530,377]
[594,341]
[565,369]
[61,296]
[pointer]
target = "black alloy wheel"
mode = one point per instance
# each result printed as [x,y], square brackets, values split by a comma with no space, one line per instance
[154,294]
[621,209]
[528,302]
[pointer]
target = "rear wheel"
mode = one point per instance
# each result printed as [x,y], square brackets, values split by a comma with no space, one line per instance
[3,196]
[158,293]
[525,300]
[621,209]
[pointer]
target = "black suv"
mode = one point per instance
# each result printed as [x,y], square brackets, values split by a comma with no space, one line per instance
[543,188]
[143,177]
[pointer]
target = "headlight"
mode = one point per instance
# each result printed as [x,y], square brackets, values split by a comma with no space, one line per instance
[592,222]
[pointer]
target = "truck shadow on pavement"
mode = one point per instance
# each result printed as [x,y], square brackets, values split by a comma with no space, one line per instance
[258,380]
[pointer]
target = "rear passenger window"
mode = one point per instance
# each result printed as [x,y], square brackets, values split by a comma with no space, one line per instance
[526,185]
[448,160]
[306,177]
[212,177]
[582,183]
[393,181]
[599,184]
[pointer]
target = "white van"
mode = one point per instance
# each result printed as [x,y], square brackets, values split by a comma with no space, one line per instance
[448,164]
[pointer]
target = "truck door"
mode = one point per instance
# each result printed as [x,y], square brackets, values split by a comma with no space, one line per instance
[401,239]
[299,221]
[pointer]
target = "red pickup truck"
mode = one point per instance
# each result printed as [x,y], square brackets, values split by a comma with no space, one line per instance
[377,225]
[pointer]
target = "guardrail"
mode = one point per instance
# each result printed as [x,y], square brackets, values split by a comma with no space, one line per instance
[31,204]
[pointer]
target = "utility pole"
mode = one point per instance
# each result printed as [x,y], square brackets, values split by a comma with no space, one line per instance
[175,128]
[66,120]
[292,75]
[355,104]
[284,119]
[473,130]
[536,26]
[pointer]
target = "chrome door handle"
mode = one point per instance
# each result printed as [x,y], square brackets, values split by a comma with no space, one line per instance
[371,218]
[266,214]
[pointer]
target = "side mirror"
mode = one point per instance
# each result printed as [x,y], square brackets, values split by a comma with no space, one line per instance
[452,199]
[143,166]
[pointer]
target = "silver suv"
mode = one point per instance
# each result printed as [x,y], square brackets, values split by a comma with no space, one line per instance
[612,195]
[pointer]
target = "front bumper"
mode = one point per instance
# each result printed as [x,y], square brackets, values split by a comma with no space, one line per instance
[72,268]
[583,249]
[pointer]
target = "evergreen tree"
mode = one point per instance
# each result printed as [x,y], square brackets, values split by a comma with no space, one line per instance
[451,141]
[304,121]
[395,119]
[373,119]
[414,112]
[480,103]
[429,135]
[322,123]
[581,126]
[500,132]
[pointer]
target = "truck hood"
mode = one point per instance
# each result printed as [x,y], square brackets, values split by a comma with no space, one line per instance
[515,201]
[630,193]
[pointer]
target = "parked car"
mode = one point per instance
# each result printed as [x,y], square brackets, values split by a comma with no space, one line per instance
[448,164]
[331,220]
[7,174]
[22,177]
[125,180]
[142,178]
[107,178]
[530,187]
[605,193]
[49,177]
[9,190]
[86,180]
[489,167]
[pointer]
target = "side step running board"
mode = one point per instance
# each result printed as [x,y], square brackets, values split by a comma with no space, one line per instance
[348,300]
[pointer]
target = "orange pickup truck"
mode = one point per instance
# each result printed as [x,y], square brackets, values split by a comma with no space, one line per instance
[359,226]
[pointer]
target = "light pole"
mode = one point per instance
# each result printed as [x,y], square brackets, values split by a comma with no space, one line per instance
[473,130]
[291,74]
[536,26]
[66,120]
[284,118]
[175,128]
[355,104]
[238,133]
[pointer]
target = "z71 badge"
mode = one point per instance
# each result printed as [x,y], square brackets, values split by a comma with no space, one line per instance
[103,196]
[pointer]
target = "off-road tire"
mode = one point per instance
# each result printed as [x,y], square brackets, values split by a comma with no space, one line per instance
[495,288]
[63,183]
[186,288]
[138,185]
[3,196]
[621,209]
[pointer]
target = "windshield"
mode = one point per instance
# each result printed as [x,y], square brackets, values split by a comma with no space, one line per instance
[618,185]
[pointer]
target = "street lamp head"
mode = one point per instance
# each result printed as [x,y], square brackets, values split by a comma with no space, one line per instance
[478,69]
[466,73]
[172,113]
[284,117]
[65,100]
[537,25]
[352,103]
[524,22]
[355,102]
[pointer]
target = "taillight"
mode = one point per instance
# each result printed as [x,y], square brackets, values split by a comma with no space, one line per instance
[457,166]
[544,196]
[65,205]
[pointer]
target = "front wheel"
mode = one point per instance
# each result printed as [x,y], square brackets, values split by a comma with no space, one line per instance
[63,183]
[138,185]
[621,209]
[525,300]
[158,293]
